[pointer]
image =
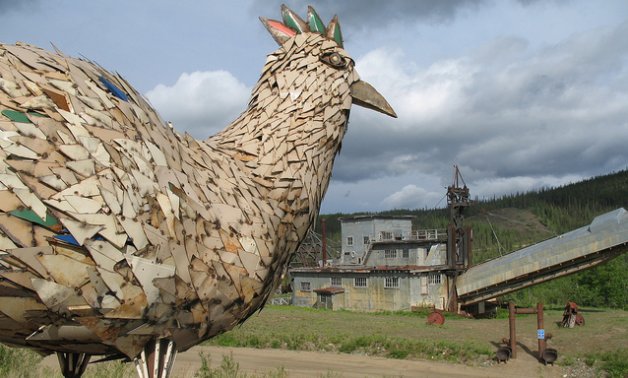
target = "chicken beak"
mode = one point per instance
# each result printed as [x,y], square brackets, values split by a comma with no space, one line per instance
[365,95]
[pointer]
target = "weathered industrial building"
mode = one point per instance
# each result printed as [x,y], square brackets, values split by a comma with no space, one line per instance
[384,265]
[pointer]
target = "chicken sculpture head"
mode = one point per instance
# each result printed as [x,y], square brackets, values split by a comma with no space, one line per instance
[121,237]
[308,42]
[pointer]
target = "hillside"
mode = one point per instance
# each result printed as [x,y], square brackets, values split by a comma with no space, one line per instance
[502,225]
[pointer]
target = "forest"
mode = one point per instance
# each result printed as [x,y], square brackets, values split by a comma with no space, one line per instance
[504,224]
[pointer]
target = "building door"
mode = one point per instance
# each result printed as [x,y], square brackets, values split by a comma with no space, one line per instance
[424,285]
[325,301]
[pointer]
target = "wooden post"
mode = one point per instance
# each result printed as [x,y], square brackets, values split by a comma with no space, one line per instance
[513,336]
[540,330]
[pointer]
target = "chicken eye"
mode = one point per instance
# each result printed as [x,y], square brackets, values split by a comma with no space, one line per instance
[334,59]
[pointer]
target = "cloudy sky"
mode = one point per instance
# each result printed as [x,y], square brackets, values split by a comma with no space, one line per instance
[519,94]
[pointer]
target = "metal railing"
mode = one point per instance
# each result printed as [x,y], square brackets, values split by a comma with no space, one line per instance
[427,234]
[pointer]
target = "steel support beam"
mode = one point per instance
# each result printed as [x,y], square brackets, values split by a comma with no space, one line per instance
[156,359]
[73,365]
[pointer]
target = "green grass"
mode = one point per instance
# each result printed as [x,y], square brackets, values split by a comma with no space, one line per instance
[601,343]
[406,335]
[229,368]
[24,363]
[18,363]
[387,334]
[614,363]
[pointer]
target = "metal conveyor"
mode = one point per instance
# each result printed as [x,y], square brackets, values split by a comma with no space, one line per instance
[605,238]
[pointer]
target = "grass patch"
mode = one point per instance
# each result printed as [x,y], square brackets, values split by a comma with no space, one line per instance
[229,368]
[614,363]
[373,345]
[406,334]
[392,335]
[112,369]
[19,363]
[398,354]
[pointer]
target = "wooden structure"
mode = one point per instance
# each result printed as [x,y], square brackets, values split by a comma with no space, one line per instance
[540,330]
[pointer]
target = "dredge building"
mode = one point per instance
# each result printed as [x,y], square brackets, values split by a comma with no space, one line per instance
[384,265]
[387,265]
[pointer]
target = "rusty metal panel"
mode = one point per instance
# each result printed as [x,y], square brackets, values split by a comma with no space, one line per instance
[16,307]
[53,332]
[146,271]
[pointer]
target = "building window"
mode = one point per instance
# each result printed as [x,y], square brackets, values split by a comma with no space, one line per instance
[406,254]
[349,240]
[359,282]
[305,286]
[366,240]
[391,282]
[434,278]
[390,253]
[386,235]
[336,281]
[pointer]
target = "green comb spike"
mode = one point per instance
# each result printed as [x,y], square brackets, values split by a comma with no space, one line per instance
[316,24]
[333,31]
[338,35]
[292,20]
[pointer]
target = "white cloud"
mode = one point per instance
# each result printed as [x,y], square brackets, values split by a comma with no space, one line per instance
[515,117]
[555,110]
[419,94]
[411,197]
[201,103]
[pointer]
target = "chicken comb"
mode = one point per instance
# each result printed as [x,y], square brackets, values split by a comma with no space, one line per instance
[292,20]
[293,24]
[333,31]
[315,23]
[280,32]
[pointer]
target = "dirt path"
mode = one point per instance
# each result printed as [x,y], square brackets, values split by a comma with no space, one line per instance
[315,364]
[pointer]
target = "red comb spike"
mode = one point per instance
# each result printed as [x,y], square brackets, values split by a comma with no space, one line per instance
[282,28]
[280,32]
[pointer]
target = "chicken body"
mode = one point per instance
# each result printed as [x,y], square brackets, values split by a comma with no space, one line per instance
[115,230]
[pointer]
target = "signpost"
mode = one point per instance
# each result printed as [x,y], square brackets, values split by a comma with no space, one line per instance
[540,330]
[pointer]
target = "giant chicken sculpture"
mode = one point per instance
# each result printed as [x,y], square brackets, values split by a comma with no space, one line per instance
[122,238]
